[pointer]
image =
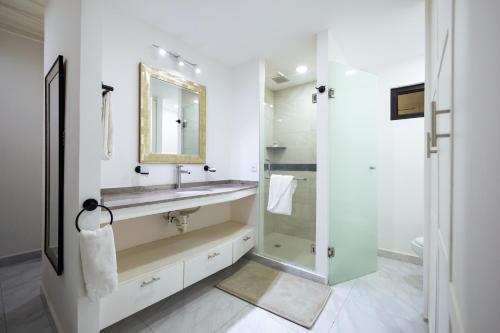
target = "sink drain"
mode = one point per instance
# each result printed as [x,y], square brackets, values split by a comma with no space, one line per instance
[277,245]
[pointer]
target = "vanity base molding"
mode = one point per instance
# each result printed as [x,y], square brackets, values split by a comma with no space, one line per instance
[151,272]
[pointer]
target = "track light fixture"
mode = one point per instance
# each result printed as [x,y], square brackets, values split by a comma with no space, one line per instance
[178,58]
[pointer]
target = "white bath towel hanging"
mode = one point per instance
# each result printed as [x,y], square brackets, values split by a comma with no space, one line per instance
[107,126]
[97,251]
[281,190]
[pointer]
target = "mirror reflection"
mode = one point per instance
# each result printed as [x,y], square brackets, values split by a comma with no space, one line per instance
[175,120]
[172,118]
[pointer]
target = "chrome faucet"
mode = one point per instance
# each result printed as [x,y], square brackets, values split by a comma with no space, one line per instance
[179,175]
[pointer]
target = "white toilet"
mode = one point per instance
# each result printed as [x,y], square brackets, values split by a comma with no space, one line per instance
[418,246]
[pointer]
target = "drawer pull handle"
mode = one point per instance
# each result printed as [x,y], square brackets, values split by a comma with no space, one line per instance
[145,283]
[215,254]
[247,238]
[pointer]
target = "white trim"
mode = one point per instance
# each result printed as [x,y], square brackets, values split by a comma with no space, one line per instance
[288,268]
[401,256]
[457,325]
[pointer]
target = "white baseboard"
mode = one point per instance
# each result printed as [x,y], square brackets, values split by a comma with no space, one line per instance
[413,259]
[52,313]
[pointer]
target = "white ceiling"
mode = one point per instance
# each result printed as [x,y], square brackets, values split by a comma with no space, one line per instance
[370,32]
[23,17]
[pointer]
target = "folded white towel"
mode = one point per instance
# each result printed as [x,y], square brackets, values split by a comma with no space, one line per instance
[107,126]
[281,190]
[97,250]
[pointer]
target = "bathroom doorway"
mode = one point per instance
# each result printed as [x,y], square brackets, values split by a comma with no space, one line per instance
[288,147]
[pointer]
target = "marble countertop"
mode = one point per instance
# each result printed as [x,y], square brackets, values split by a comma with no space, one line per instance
[125,197]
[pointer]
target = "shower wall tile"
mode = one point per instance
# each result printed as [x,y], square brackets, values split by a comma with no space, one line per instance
[294,124]
[268,118]
[302,222]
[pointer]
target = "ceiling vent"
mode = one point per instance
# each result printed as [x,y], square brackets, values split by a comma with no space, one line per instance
[280,78]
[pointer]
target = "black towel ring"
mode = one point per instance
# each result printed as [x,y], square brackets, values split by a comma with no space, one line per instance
[90,205]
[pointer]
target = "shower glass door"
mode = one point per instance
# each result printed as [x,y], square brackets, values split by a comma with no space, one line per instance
[353,188]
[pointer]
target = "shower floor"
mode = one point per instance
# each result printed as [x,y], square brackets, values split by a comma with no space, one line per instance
[291,249]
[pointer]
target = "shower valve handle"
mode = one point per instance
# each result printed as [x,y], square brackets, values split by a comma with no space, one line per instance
[321,89]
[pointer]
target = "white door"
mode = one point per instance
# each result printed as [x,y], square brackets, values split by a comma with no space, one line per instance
[439,126]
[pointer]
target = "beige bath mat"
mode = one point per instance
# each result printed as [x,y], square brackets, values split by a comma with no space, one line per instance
[286,295]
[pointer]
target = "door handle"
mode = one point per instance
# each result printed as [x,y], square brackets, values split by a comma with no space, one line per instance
[430,149]
[434,134]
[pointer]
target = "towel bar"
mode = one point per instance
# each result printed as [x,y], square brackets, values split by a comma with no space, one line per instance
[296,178]
[90,205]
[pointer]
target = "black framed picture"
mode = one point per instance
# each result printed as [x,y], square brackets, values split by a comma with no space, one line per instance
[54,164]
[407,102]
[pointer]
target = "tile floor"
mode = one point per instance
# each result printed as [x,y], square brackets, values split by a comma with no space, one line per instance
[291,249]
[387,301]
[21,307]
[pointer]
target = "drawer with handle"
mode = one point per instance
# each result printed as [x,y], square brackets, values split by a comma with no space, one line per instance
[136,294]
[207,263]
[243,244]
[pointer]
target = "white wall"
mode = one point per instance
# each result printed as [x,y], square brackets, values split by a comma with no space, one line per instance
[73,29]
[126,43]
[475,272]
[401,158]
[248,100]
[21,145]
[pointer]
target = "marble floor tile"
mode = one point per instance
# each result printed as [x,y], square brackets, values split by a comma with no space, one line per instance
[205,313]
[25,270]
[387,301]
[28,317]
[23,306]
[130,324]
[252,319]
[390,300]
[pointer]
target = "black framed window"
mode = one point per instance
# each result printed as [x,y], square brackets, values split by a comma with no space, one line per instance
[407,102]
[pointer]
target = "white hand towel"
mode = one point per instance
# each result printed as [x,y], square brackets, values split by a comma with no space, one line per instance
[107,126]
[281,190]
[97,250]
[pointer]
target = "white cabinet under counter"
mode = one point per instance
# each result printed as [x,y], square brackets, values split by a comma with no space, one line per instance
[153,271]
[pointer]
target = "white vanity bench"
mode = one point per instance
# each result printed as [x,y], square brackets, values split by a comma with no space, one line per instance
[152,271]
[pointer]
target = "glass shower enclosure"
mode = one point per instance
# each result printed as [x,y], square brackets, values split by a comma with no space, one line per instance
[353,179]
[289,148]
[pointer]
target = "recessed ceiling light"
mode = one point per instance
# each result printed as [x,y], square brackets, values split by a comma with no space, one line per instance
[181,63]
[197,70]
[351,72]
[301,69]
[162,52]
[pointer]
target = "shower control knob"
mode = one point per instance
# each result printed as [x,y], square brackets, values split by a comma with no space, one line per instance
[209,169]
[321,89]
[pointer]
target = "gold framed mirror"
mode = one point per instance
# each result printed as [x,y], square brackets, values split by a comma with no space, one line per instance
[172,118]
